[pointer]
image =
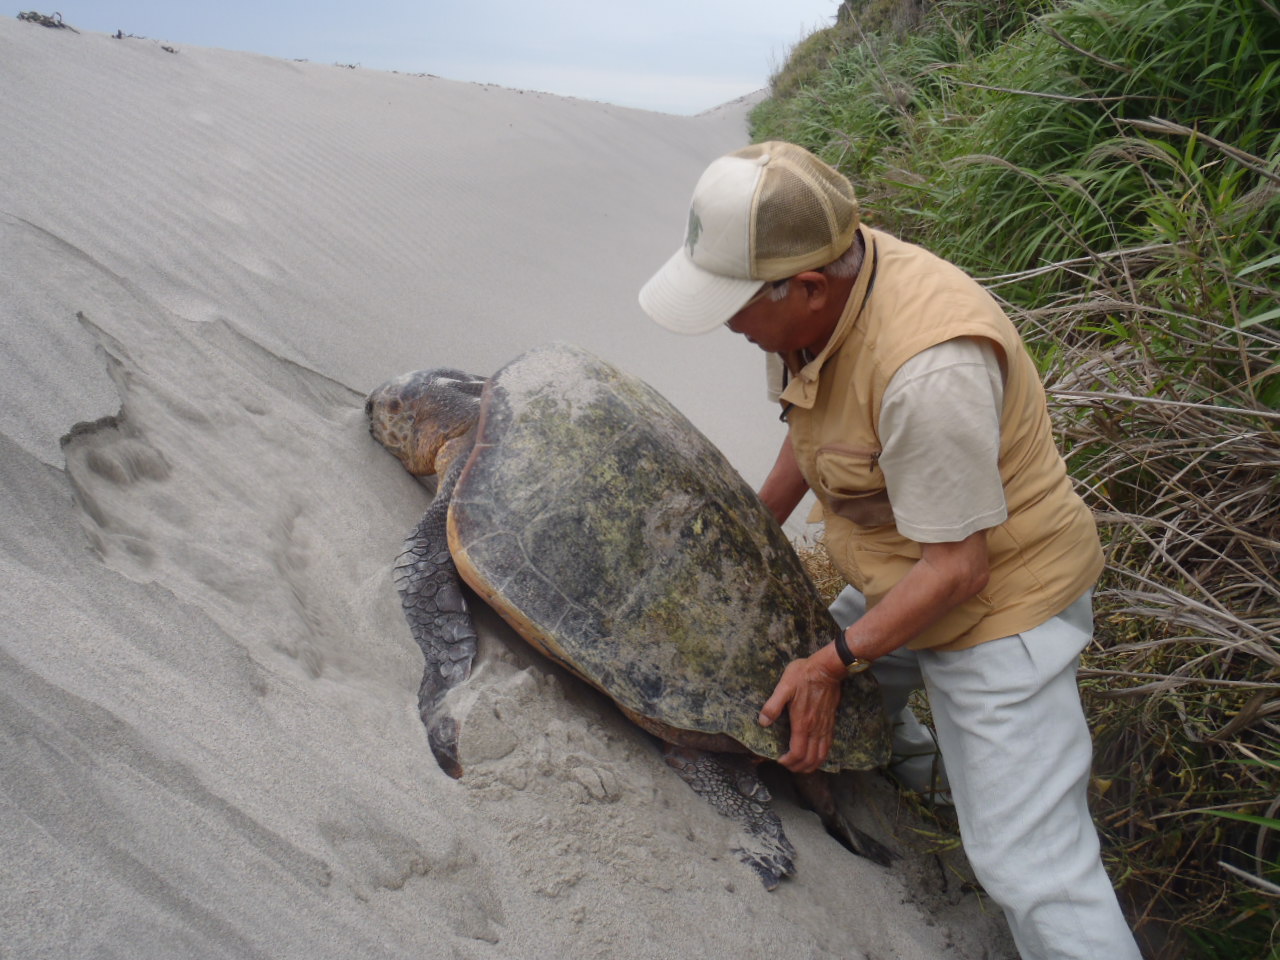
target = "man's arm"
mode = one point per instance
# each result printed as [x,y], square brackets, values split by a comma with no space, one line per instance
[946,575]
[785,486]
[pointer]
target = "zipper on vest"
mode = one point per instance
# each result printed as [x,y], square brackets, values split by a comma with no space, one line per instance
[869,453]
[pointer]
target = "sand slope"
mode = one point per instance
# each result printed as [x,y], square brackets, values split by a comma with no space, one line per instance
[210,747]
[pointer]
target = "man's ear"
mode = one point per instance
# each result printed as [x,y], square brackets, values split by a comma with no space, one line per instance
[816,288]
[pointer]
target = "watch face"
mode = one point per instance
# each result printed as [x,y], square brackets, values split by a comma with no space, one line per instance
[857,666]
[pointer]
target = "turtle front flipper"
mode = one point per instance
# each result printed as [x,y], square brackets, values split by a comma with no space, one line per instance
[431,595]
[730,784]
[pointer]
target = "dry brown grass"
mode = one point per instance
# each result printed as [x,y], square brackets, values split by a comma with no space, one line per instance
[1167,441]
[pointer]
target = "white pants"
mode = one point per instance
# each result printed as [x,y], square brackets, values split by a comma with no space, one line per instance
[1018,752]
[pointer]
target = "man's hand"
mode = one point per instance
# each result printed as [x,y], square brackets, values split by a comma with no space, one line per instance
[809,691]
[947,574]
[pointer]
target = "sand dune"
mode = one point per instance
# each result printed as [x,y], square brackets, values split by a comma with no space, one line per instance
[210,746]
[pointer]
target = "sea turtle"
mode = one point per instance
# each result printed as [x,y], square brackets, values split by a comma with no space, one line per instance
[618,541]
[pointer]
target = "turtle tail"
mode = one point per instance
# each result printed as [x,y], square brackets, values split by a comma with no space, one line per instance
[434,606]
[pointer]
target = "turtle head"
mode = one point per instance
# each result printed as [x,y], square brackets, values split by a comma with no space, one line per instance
[416,414]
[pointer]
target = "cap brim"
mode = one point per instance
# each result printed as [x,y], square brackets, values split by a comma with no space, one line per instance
[687,299]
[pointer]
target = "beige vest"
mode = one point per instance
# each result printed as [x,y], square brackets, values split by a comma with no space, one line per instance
[1044,556]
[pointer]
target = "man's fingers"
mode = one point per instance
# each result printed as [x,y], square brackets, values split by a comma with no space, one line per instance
[819,747]
[774,706]
[811,702]
[794,758]
[807,752]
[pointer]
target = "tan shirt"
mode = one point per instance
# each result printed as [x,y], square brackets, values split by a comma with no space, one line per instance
[1043,555]
[940,430]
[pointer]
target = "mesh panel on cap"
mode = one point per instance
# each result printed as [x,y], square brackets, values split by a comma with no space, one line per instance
[805,213]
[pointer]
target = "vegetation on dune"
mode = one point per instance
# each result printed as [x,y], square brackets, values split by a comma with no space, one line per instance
[55,21]
[1111,170]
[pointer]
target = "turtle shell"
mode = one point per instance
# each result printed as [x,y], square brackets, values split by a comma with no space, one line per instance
[613,536]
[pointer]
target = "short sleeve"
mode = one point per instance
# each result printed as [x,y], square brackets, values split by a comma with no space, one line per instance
[940,438]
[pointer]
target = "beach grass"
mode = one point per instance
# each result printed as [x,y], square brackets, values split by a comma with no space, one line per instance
[1110,169]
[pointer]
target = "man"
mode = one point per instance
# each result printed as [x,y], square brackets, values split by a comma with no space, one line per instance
[918,420]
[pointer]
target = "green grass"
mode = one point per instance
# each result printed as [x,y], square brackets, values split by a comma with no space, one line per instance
[1111,170]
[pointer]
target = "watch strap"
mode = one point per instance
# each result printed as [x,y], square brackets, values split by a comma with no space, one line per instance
[852,664]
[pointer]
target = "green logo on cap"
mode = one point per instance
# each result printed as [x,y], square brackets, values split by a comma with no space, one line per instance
[694,231]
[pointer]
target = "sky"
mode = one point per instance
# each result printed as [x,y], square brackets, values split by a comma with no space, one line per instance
[675,56]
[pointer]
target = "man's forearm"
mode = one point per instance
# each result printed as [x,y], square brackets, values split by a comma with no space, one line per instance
[946,575]
[785,486]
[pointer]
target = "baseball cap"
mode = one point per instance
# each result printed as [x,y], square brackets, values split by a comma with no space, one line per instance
[762,213]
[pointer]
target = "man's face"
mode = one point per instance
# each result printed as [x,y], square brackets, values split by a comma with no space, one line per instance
[796,322]
[760,321]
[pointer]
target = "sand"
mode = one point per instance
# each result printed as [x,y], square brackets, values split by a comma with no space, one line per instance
[210,743]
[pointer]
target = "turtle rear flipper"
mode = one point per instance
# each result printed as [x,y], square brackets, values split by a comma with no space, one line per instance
[815,790]
[730,784]
[431,595]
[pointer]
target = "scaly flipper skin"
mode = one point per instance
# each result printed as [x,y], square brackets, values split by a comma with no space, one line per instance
[426,420]
[431,595]
[729,783]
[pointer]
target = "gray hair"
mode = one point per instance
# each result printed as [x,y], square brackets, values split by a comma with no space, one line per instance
[846,265]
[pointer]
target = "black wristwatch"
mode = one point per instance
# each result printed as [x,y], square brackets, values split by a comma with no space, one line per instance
[851,663]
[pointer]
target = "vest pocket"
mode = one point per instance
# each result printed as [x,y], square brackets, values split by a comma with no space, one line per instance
[850,484]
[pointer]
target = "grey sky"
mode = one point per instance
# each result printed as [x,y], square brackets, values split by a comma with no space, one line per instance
[679,57]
